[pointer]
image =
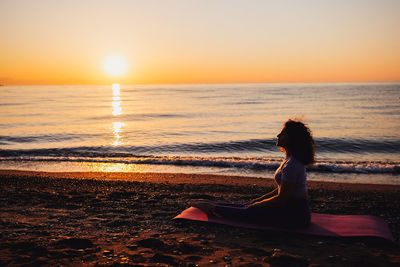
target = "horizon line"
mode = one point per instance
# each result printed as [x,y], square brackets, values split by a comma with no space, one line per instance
[195,83]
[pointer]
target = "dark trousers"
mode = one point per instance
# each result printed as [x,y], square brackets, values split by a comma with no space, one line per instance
[295,213]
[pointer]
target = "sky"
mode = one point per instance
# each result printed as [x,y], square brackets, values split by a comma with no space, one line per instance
[170,41]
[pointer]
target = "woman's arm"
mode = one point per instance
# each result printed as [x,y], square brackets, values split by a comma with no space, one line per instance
[266,196]
[285,192]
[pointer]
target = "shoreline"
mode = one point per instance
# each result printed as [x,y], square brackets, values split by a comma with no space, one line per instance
[177,178]
[104,219]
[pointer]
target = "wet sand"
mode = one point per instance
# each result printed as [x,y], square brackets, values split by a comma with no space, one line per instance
[96,219]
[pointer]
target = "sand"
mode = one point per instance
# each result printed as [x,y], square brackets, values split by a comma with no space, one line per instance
[96,219]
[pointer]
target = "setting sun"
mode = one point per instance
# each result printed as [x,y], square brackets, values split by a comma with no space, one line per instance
[115,65]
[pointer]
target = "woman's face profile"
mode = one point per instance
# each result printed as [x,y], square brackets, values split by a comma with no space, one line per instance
[282,140]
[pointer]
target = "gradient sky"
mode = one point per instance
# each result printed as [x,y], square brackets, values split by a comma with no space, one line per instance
[66,42]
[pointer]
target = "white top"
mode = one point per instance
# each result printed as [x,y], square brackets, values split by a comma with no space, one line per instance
[293,171]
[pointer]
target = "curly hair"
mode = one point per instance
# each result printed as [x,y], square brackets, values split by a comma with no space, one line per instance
[300,141]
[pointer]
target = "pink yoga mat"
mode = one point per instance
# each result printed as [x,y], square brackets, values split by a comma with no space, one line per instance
[321,224]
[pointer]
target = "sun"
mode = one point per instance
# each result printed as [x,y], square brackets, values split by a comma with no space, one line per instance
[115,65]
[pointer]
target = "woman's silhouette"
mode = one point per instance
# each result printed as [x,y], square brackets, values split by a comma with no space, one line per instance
[287,204]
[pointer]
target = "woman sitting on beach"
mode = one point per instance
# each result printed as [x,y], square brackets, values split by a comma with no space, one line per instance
[287,204]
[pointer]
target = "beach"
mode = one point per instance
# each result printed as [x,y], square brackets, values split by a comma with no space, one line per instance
[120,118]
[125,219]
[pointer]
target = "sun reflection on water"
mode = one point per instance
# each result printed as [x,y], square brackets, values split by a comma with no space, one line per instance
[117,111]
[116,89]
[115,167]
[117,125]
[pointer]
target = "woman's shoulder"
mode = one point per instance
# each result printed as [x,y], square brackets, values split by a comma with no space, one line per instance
[293,163]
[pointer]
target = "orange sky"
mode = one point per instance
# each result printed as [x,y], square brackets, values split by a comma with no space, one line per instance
[66,42]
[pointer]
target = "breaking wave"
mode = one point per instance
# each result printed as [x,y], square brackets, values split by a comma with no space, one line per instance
[242,163]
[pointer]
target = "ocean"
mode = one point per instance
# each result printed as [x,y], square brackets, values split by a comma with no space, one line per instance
[227,129]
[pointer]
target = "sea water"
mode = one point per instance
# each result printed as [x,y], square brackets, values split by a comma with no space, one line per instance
[203,128]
